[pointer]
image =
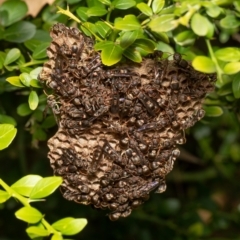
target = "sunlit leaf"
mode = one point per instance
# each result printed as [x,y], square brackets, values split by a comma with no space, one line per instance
[25,185]
[128,38]
[157,5]
[128,23]
[228,54]
[111,54]
[70,226]
[96,11]
[145,9]
[45,187]
[33,100]
[28,214]
[163,23]
[4,196]
[213,111]
[123,4]
[232,68]
[34,232]
[15,81]
[200,25]
[7,134]
[204,64]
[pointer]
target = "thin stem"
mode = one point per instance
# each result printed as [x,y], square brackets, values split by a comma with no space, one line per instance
[33,62]
[48,226]
[14,194]
[219,70]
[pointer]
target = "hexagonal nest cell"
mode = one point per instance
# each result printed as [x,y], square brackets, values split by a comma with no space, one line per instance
[118,126]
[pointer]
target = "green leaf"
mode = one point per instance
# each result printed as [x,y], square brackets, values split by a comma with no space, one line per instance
[7,134]
[35,232]
[25,78]
[185,38]
[103,29]
[230,22]
[132,54]
[145,9]
[200,25]
[4,196]
[123,4]
[236,86]
[35,72]
[39,134]
[15,81]
[19,32]
[232,68]
[163,23]
[128,23]
[13,11]
[228,54]
[214,11]
[23,109]
[57,236]
[128,38]
[35,83]
[101,45]
[82,13]
[204,64]
[144,46]
[28,214]
[45,187]
[96,12]
[25,185]
[40,51]
[157,5]
[105,2]
[49,122]
[213,111]
[111,54]
[12,56]
[70,226]
[33,100]
[7,119]
[161,46]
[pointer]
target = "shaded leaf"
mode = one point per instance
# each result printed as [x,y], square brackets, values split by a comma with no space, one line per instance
[45,187]
[82,13]
[213,111]
[144,46]
[132,54]
[23,109]
[40,51]
[35,83]
[28,214]
[236,86]
[128,38]
[12,56]
[204,64]
[7,119]
[20,32]
[7,134]
[103,29]
[70,226]
[14,10]
[230,22]
[25,185]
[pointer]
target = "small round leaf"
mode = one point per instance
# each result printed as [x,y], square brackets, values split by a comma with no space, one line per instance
[200,25]
[128,23]
[145,9]
[232,68]
[157,5]
[28,214]
[23,109]
[15,81]
[228,54]
[213,111]
[123,4]
[236,86]
[204,64]
[12,56]
[33,100]
[35,232]
[111,55]
[70,226]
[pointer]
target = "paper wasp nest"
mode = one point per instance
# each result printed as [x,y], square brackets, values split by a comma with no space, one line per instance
[118,126]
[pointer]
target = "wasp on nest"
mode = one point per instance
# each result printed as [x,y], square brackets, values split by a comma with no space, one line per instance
[118,126]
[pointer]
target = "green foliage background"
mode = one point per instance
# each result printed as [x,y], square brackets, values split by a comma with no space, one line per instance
[202,200]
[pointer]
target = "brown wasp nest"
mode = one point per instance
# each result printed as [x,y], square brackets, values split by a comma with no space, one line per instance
[119,126]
